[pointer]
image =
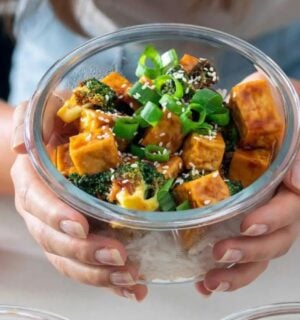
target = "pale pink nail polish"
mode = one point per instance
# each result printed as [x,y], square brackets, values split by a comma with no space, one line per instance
[256,230]
[73,228]
[232,255]
[122,279]
[109,256]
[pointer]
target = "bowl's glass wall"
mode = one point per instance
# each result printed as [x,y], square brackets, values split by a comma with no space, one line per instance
[21,313]
[278,311]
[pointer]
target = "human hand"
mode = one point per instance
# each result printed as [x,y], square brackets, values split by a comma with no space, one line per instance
[266,233]
[63,233]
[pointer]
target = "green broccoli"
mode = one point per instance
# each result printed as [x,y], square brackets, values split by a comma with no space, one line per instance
[97,93]
[234,186]
[97,185]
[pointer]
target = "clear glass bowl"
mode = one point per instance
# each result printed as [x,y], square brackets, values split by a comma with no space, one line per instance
[154,240]
[277,311]
[8,312]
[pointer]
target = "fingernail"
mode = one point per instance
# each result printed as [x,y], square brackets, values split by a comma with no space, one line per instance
[222,286]
[232,255]
[256,230]
[122,279]
[73,229]
[18,137]
[129,295]
[295,176]
[109,256]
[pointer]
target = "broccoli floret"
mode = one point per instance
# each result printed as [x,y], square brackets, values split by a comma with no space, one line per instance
[140,172]
[234,186]
[97,185]
[97,93]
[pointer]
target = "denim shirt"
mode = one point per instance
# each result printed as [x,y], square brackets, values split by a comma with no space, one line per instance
[42,39]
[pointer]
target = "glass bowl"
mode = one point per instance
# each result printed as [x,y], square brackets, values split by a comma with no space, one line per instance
[276,311]
[154,240]
[8,312]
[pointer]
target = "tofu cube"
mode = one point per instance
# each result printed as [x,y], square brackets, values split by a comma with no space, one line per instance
[256,115]
[188,63]
[189,237]
[203,152]
[171,168]
[203,191]
[167,133]
[248,165]
[94,152]
[64,162]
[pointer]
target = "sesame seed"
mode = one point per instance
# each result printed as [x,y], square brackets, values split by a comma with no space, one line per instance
[88,137]
[165,172]
[206,202]
[106,97]
[121,96]
[160,144]
[215,174]
[125,181]
[169,116]
[191,164]
[136,95]
[165,167]
[145,85]
[131,105]
[180,165]
[134,165]
[178,103]
[162,134]
[168,145]
[123,85]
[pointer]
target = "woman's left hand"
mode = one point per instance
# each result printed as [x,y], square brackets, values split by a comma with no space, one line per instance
[265,234]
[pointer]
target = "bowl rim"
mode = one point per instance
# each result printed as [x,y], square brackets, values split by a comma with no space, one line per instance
[29,312]
[275,309]
[239,203]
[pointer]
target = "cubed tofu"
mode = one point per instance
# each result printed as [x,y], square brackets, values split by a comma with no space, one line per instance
[189,237]
[188,62]
[167,133]
[121,85]
[248,165]
[171,168]
[203,191]
[256,115]
[94,152]
[64,162]
[70,111]
[203,152]
[92,120]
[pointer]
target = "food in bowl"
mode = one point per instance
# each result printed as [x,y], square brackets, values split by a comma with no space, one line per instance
[168,142]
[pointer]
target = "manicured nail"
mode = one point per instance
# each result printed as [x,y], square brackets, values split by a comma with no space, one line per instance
[223,286]
[109,256]
[73,229]
[18,137]
[295,175]
[232,255]
[122,279]
[256,230]
[129,295]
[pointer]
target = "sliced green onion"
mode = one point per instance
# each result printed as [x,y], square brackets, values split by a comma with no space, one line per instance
[165,198]
[149,63]
[141,121]
[172,104]
[169,60]
[188,125]
[185,205]
[137,151]
[157,153]
[166,201]
[208,99]
[142,93]
[221,117]
[125,128]
[151,113]
[170,85]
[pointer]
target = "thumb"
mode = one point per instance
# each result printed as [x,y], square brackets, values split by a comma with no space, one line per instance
[17,142]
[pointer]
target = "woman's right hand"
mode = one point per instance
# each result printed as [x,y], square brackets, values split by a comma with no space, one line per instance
[63,233]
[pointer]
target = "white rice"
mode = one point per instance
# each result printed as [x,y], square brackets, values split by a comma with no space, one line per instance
[161,259]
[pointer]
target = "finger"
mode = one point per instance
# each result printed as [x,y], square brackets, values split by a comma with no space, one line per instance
[234,278]
[200,287]
[17,142]
[92,275]
[255,249]
[292,178]
[280,211]
[34,197]
[136,293]
[95,249]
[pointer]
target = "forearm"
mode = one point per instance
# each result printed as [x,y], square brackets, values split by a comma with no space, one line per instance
[7,156]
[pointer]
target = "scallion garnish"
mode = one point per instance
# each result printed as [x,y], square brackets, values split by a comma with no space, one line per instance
[189,125]
[143,93]
[125,128]
[167,84]
[157,153]
[165,198]
[221,117]
[185,205]
[210,100]
[137,151]
[172,104]
[149,64]
[151,113]
[169,60]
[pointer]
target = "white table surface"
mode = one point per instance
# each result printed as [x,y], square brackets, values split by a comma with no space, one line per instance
[27,279]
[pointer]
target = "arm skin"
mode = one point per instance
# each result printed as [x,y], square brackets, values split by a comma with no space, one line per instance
[7,156]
